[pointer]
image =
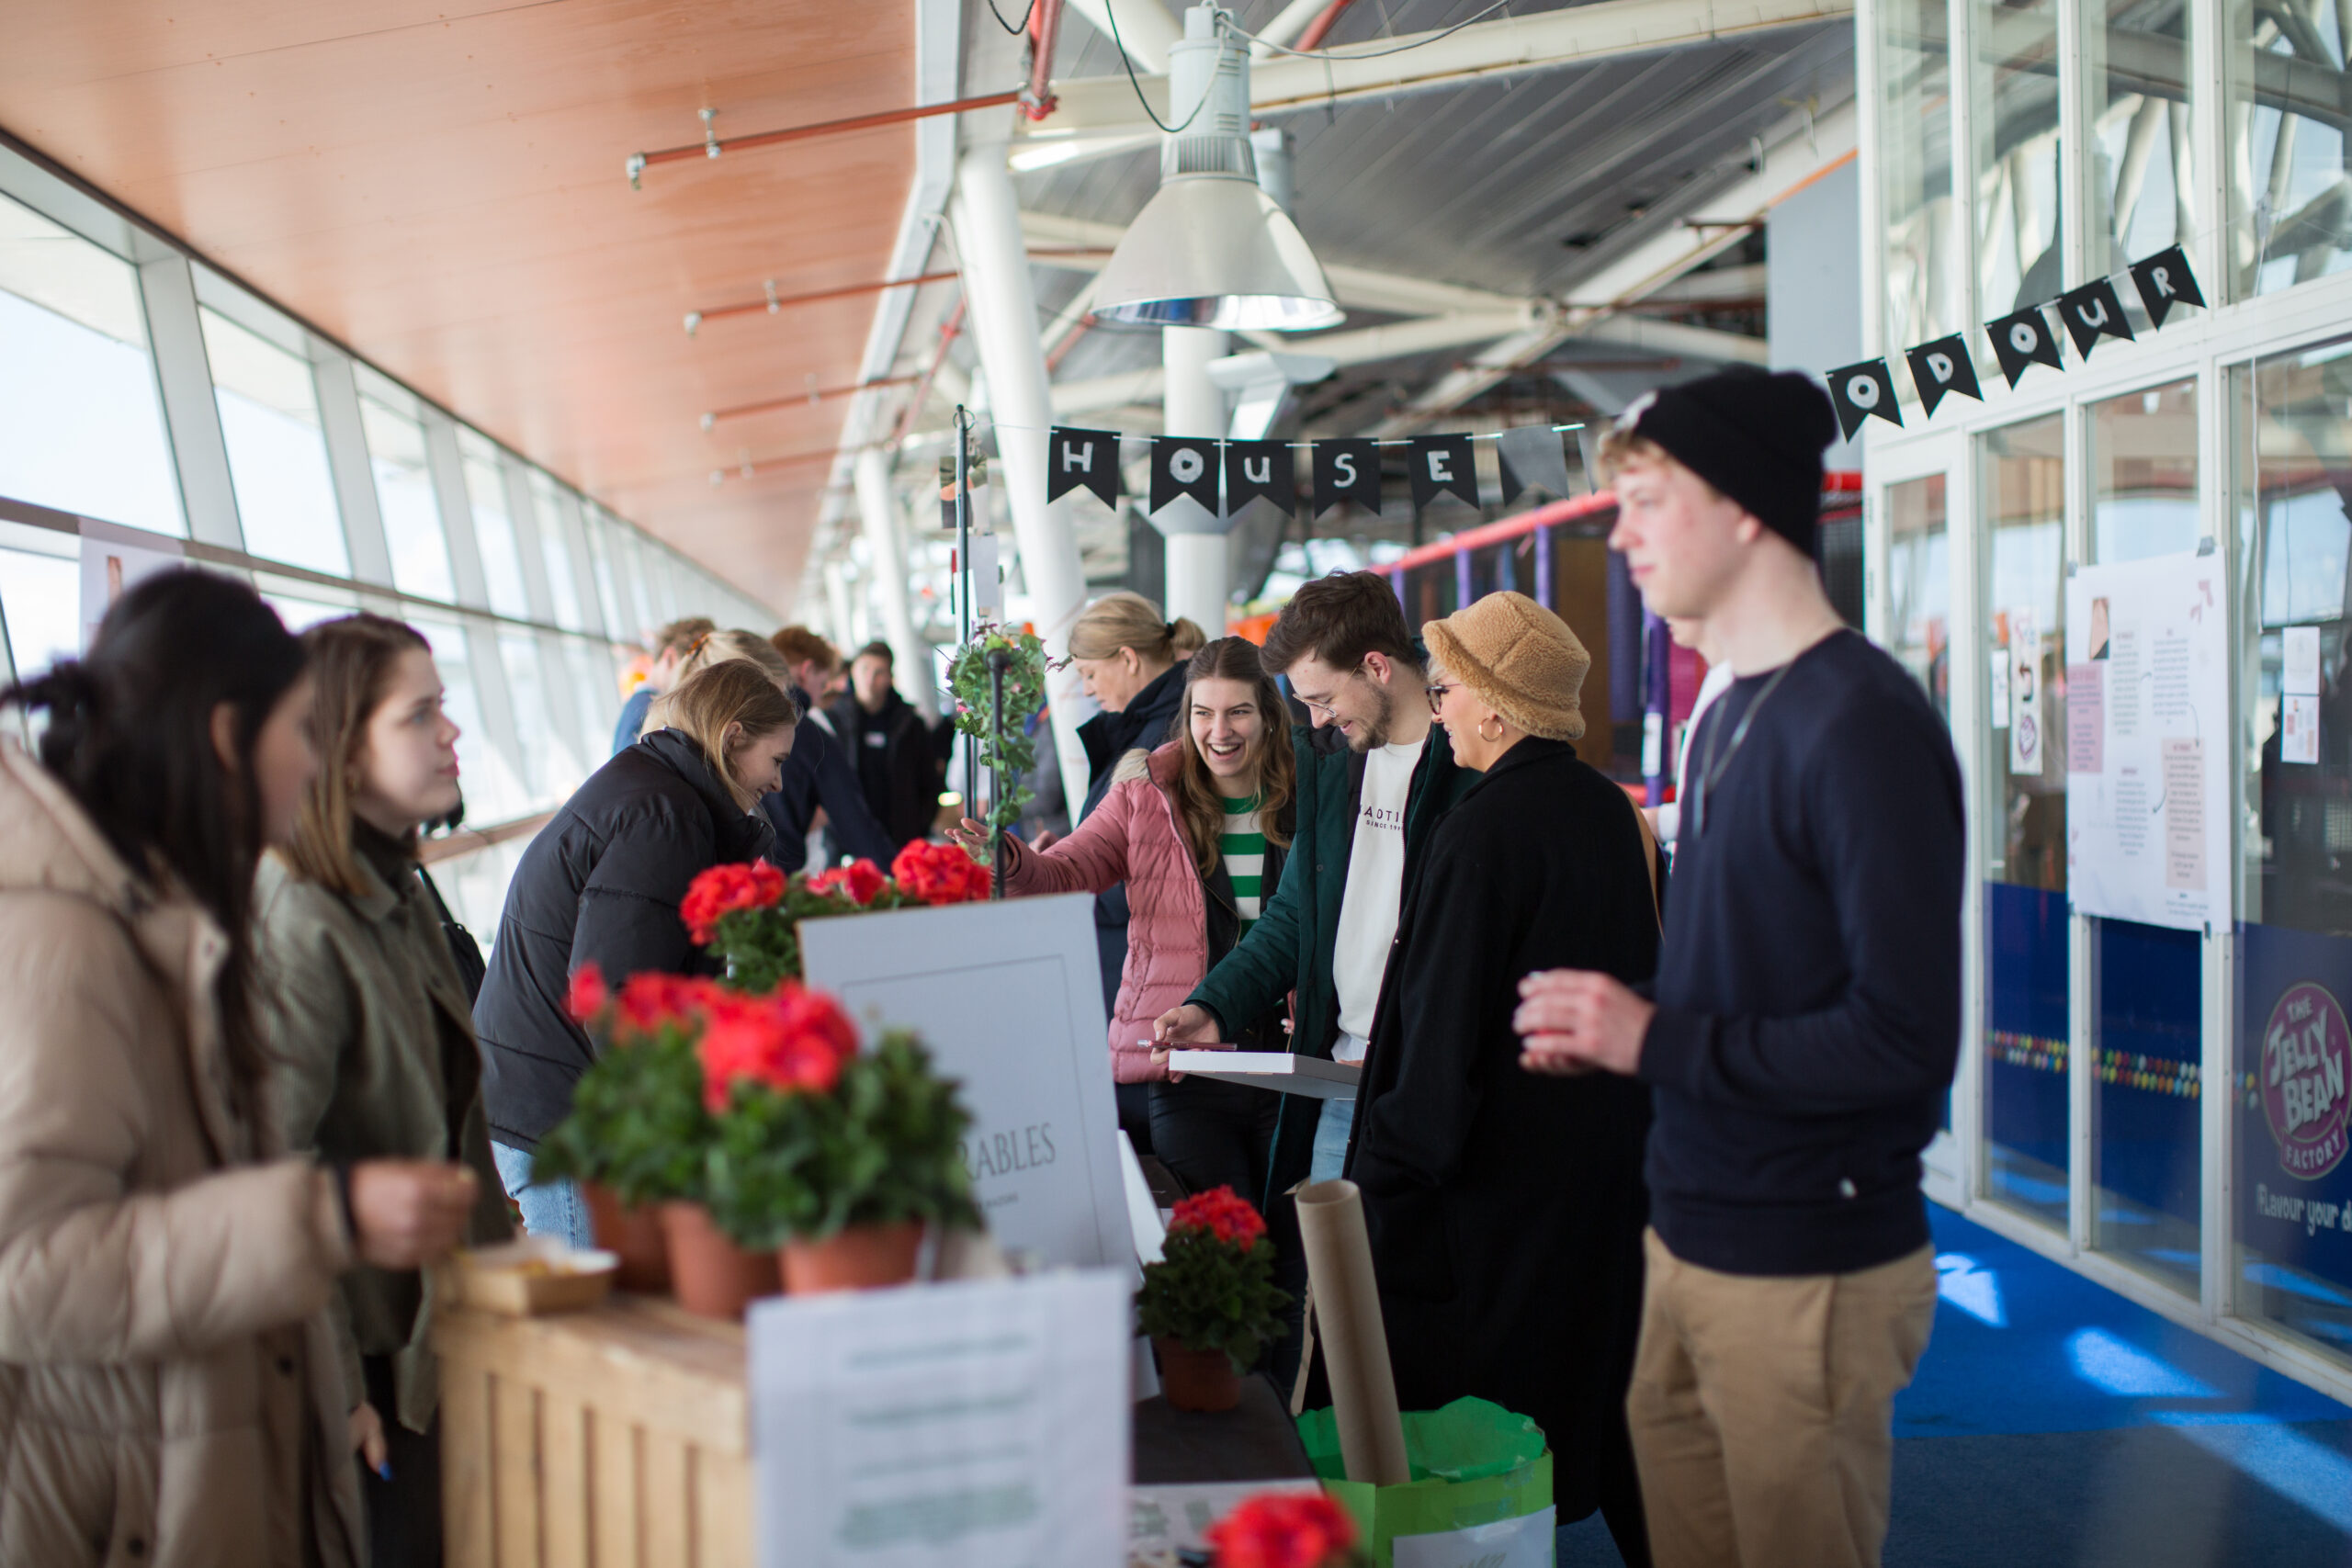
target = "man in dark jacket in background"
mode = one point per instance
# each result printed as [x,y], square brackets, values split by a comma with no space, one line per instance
[1807,1014]
[818,773]
[897,759]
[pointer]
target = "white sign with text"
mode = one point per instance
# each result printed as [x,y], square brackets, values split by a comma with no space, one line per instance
[1009,998]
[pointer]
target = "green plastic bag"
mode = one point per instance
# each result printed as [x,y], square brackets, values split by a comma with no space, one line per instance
[1481,1491]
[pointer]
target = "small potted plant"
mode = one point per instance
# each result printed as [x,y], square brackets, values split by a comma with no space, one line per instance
[835,1158]
[635,1133]
[1286,1529]
[749,917]
[1210,1303]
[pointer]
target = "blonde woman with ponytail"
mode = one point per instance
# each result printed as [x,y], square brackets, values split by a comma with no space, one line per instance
[1128,658]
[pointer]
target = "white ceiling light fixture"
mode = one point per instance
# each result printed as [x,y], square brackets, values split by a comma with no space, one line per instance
[1211,248]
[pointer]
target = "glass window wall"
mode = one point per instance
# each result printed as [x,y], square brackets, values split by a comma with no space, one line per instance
[596,528]
[41,594]
[555,545]
[2014,116]
[2147,982]
[2140,181]
[278,458]
[2023,489]
[1919,583]
[2286,168]
[2291,443]
[501,558]
[404,494]
[1924,290]
[81,422]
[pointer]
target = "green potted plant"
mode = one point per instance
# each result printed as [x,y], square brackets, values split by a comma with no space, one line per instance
[1210,1305]
[971,681]
[837,1162]
[638,1139]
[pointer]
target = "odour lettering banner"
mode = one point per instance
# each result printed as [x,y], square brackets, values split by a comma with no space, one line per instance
[1009,998]
[2294,1108]
[2147,741]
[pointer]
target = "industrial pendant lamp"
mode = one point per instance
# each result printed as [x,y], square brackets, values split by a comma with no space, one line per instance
[1211,248]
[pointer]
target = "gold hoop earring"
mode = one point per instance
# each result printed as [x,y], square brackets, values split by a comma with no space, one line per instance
[1494,719]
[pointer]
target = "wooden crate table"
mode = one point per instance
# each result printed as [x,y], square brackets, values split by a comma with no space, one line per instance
[620,1438]
[617,1438]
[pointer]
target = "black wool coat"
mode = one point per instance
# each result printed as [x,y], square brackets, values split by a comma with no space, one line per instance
[600,884]
[1505,1207]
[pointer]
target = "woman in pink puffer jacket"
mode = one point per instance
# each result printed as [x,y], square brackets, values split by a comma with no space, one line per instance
[1196,830]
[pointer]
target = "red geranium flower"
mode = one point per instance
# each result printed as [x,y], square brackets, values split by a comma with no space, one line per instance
[649,1000]
[940,874]
[1282,1530]
[796,1039]
[722,890]
[858,882]
[588,992]
[1219,1210]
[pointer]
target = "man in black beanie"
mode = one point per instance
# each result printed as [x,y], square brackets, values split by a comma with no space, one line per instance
[1804,1023]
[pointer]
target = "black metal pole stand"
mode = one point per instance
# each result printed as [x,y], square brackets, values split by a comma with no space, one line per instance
[999,661]
[964,586]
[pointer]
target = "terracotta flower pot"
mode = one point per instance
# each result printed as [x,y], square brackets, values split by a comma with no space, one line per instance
[635,1236]
[714,1276]
[860,1258]
[1196,1379]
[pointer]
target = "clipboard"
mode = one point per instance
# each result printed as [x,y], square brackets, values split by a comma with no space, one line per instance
[1278,1070]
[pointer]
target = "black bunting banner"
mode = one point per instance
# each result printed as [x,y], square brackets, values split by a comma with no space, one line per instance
[2023,340]
[1259,470]
[1943,366]
[1531,458]
[2092,312]
[1088,458]
[1440,464]
[2163,280]
[1346,470]
[1862,391]
[1184,465]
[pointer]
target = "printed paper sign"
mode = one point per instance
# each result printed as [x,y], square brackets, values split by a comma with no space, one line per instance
[983,1423]
[2148,751]
[2299,667]
[2025,693]
[2299,730]
[1009,998]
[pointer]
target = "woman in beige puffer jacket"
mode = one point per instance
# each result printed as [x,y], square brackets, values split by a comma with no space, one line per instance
[169,1391]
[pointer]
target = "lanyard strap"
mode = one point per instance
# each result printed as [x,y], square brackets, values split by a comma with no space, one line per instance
[1711,772]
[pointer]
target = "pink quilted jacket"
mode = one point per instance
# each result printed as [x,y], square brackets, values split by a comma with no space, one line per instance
[1133,838]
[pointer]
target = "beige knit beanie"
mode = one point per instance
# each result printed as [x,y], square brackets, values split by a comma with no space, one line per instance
[1520,659]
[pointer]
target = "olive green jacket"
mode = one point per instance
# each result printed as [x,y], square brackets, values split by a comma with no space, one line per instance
[362,1015]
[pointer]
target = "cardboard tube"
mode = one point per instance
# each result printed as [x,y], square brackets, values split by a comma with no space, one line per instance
[1355,1342]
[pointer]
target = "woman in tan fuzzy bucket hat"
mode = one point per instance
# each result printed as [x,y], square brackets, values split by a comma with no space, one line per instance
[1505,1208]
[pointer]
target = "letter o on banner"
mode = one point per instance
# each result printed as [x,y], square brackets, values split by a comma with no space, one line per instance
[2023,338]
[1862,391]
[1187,464]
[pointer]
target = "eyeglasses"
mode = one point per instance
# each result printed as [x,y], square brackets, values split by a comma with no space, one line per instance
[1436,694]
[1326,710]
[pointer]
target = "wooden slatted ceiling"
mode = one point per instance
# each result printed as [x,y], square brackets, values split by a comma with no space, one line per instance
[438,183]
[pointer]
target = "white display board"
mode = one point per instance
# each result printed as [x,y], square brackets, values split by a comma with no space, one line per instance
[983,1423]
[1009,998]
[2148,743]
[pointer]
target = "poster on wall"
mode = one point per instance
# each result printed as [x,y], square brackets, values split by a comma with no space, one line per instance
[114,561]
[2023,709]
[2295,1080]
[2147,741]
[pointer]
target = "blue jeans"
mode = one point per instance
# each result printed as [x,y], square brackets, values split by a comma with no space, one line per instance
[1331,1130]
[549,1208]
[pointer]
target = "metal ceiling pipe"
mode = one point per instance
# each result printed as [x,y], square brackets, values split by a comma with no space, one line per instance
[986,220]
[886,542]
[1320,27]
[1045,28]
[712,146]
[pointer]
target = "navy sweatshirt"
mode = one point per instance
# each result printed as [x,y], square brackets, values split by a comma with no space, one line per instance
[1808,987]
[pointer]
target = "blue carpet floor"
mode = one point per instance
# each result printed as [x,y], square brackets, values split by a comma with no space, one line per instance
[2055,1424]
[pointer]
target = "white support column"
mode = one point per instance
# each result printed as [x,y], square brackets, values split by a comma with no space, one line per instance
[843,620]
[183,378]
[355,485]
[1003,315]
[1193,406]
[886,543]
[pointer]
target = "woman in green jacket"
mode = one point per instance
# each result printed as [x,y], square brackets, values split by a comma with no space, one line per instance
[368,1030]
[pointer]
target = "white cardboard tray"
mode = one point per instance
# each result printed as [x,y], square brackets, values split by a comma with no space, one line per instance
[1277,1070]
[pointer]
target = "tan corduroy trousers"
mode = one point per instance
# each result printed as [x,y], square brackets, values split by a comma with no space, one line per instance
[1762,1409]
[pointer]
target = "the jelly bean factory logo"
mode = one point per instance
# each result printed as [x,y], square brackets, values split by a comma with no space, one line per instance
[2305,1054]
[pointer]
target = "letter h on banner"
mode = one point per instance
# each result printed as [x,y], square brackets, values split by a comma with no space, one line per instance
[1082,458]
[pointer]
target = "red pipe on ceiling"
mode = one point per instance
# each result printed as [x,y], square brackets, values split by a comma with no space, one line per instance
[1045,28]
[711,148]
[1316,31]
[802,400]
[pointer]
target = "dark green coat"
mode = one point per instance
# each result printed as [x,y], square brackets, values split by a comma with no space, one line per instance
[1289,950]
